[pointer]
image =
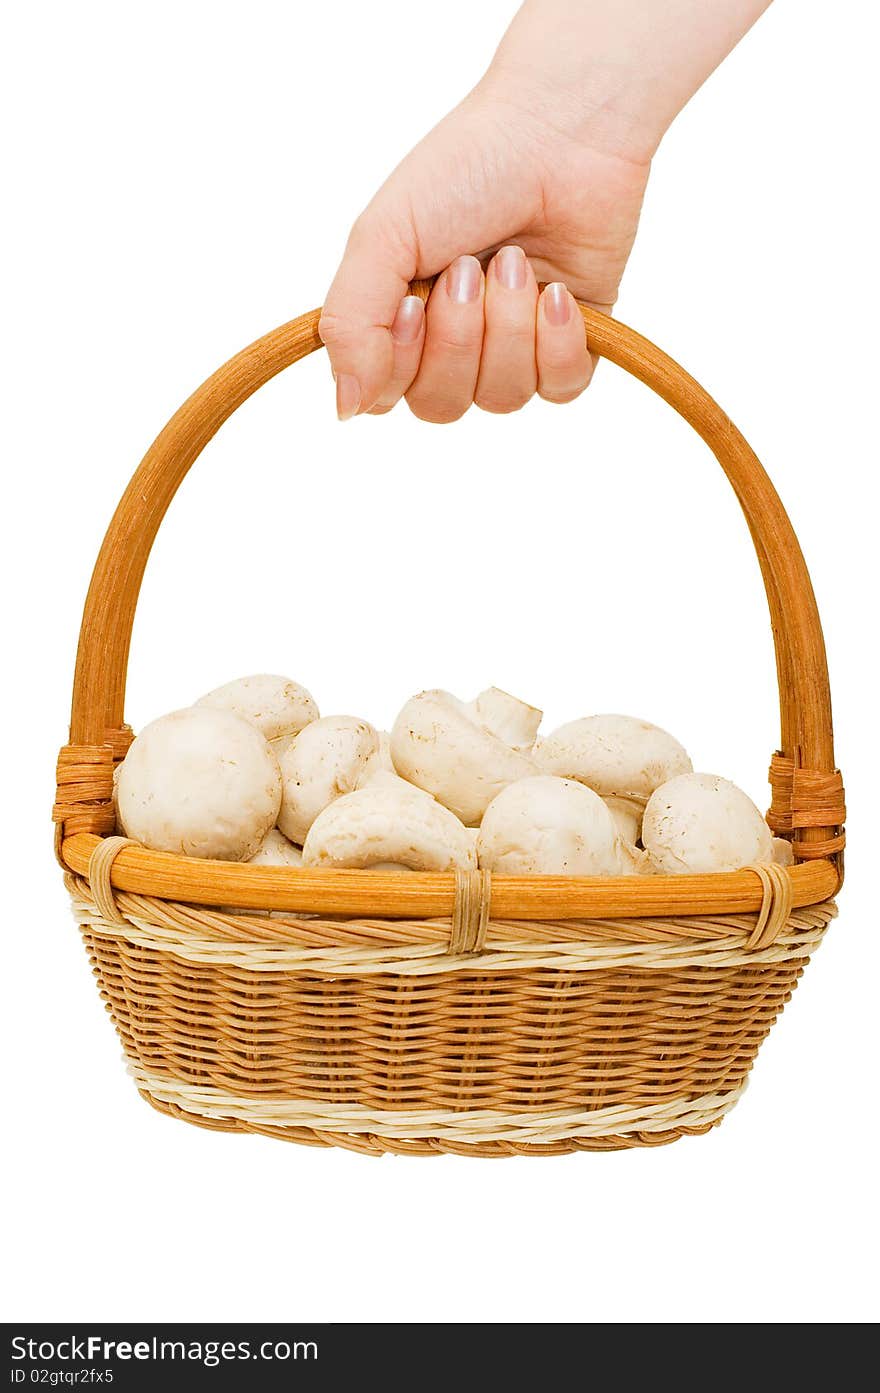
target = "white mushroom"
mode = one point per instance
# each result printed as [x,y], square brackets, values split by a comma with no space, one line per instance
[380,762]
[277,706]
[322,763]
[383,778]
[438,745]
[276,850]
[114,796]
[616,756]
[699,823]
[389,824]
[201,782]
[512,720]
[627,814]
[782,851]
[545,825]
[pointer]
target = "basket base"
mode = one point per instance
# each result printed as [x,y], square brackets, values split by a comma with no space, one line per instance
[218,1113]
[367,1145]
[371,1145]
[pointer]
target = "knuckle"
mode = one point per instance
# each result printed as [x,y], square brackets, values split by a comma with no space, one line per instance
[457,340]
[334,330]
[513,329]
[361,225]
[565,360]
[364,228]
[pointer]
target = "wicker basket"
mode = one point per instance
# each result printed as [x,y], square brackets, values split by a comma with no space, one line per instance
[440,1013]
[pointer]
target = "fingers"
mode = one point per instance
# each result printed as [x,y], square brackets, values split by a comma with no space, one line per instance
[360,308]
[564,364]
[444,386]
[408,339]
[493,340]
[508,370]
[528,343]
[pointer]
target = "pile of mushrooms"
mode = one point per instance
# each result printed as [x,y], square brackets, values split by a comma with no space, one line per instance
[253,772]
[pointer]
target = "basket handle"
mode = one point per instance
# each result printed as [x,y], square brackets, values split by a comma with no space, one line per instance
[807,794]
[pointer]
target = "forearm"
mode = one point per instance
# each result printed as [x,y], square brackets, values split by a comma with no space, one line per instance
[620,70]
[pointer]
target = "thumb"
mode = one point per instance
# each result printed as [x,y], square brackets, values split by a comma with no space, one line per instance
[462,189]
[380,261]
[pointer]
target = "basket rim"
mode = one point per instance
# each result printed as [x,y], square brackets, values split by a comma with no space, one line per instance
[428,894]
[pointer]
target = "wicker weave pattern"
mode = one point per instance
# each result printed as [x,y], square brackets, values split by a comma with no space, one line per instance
[518,1047]
[418,1124]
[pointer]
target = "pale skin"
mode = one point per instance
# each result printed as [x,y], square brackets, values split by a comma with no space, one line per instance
[536,178]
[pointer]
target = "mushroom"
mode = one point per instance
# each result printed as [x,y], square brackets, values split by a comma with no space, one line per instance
[390,824]
[199,782]
[512,720]
[277,706]
[114,795]
[276,850]
[437,744]
[380,762]
[616,756]
[782,851]
[544,825]
[627,814]
[323,762]
[699,823]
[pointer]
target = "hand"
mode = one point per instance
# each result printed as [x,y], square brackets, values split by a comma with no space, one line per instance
[490,339]
[490,173]
[547,160]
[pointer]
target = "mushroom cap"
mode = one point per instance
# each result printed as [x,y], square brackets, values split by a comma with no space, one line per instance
[438,745]
[277,706]
[617,756]
[322,763]
[282,743]
[114,796]
[276,850]
[512,720]
[199,782]
[389,823]
[627,814]
[700,823]
[544,825]
[380,762]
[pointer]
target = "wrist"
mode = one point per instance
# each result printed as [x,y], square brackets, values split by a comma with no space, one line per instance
[600,106]
[614,73]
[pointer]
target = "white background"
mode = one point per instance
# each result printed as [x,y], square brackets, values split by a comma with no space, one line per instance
[180,178]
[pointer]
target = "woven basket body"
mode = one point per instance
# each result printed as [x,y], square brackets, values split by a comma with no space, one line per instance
[427,1013]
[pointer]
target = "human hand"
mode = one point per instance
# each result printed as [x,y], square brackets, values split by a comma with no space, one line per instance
[491,173]
[547,159]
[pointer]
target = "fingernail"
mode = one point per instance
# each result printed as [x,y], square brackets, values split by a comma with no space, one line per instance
[407,323]
[463,280]
[510,267]
[348,396]
[557,303]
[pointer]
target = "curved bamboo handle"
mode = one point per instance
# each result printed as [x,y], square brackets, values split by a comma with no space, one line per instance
[105,636]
